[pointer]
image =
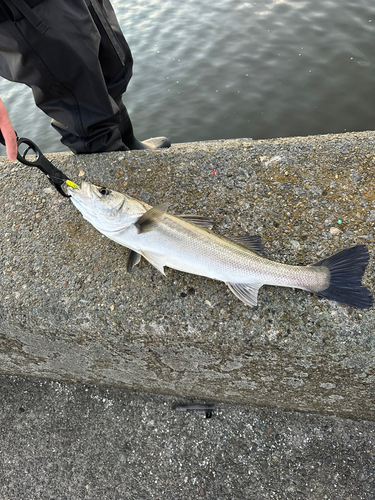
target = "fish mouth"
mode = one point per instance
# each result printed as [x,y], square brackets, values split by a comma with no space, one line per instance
[83,193]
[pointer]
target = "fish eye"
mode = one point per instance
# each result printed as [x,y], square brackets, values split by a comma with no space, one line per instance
[104,191]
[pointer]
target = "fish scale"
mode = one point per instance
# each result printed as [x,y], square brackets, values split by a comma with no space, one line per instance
[218,257]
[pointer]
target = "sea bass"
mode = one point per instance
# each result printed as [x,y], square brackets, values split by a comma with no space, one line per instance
[186,243]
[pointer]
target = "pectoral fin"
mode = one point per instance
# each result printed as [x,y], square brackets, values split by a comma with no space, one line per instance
[150,219]
[133,260]
[246,292]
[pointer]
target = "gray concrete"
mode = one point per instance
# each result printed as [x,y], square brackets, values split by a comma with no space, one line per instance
[69,312]
[73,442]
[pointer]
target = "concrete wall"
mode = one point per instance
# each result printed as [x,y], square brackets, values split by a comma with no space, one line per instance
[70,312]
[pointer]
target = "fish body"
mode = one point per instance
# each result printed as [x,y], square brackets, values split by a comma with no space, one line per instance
[184,243]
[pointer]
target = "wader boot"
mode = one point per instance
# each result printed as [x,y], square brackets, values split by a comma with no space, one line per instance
[127,134]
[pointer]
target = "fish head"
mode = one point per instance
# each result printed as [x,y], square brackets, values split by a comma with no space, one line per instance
[101,206]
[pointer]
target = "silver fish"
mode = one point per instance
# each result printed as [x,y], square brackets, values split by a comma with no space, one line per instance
[185,243]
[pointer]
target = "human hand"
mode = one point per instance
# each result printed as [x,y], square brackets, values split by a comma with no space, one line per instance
[8,133]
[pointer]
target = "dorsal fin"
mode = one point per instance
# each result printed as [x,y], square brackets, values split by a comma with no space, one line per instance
[251,242]
[199,220]
[150,219]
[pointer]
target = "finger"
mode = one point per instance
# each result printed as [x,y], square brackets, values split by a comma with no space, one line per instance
[8,133]
[10,142]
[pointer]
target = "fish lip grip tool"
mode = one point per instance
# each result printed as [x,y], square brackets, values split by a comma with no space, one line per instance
[26,148]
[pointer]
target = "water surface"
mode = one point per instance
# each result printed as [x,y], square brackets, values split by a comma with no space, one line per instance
[233,69]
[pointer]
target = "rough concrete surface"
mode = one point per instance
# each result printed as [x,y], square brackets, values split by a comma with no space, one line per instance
[75,442]
[69,311]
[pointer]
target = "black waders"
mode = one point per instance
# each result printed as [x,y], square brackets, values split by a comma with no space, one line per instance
[74,57]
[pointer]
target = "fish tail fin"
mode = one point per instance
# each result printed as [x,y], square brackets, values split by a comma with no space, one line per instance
[346,271]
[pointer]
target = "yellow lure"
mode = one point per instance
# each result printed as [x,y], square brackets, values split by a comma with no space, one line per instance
[72,185]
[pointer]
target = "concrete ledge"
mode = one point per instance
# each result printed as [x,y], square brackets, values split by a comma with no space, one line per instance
[70,312]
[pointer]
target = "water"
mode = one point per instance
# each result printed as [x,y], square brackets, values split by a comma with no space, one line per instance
[230,69]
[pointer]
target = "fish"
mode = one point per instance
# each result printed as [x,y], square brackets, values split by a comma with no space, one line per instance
[187,243]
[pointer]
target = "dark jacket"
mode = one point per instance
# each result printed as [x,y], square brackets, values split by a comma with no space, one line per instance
[9,10]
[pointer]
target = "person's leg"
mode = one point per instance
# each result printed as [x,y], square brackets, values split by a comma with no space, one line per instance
[63,70]
[78,69]
[110,32]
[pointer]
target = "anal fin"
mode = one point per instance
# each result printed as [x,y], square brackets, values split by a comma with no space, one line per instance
[247,292]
